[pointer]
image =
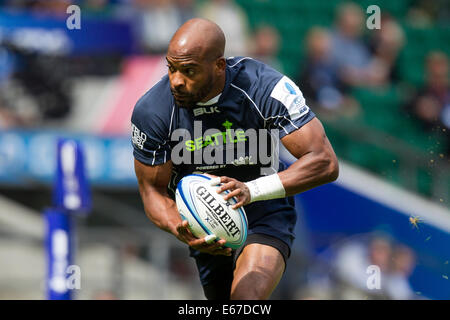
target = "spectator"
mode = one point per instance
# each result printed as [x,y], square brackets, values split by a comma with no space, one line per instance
[34,89]
[319,79]
[386,44]
[266,44]
[9,118]
[425,13]
[350,53]
[431,106]
[350,276]
[186,9]
[159,20]
[352,262]
[397,285]
[233,21]
[347,50]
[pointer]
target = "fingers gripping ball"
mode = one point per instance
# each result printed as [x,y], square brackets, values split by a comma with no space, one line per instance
[208,213]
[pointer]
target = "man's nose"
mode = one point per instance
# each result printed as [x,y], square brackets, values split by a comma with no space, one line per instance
[177,81]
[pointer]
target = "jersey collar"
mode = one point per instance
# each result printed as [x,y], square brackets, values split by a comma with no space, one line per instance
[210,101]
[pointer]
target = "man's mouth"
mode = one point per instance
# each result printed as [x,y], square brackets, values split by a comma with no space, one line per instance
[182,100]
[179,96]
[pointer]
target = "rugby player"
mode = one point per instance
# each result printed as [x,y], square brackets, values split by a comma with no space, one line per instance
[221,93]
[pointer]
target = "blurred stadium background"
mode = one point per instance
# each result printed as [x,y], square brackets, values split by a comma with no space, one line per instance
[383,96]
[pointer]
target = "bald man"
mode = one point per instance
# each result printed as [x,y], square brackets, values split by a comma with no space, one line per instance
[208,103]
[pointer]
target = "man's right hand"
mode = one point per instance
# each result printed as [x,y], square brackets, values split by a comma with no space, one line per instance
[162,210]
[214,248]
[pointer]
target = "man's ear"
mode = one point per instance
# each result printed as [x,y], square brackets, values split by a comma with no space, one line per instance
[221,64]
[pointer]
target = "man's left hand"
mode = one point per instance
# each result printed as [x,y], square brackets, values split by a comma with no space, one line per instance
[237,189]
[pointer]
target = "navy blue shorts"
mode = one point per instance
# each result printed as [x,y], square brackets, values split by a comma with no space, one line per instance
[270,222]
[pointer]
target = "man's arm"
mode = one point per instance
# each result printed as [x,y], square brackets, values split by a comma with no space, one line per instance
[316,164]
[162,210]
[158,206]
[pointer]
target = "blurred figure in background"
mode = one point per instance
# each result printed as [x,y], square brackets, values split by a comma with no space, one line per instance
[266,44]
[425,13]
[8,118]
[347,48]
[351,264]
[159,19]
[396,284]
[234,23]
[319,79]
[431,105]
[385,45]
[395,260]
[350,53]
[154,21]
[186,9]
[35,90]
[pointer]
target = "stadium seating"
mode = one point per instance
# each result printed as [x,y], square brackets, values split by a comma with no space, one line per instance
[383,112]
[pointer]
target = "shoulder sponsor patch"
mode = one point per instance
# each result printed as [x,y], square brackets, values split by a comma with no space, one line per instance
[137,137]
[287,92]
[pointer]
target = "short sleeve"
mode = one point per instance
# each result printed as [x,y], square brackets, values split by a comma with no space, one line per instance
[284,106]
[149,134]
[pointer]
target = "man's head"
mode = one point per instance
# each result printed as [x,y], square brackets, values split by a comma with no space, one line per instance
[380,252]
[350,20]
[319,44]
[196,62]
[437,66]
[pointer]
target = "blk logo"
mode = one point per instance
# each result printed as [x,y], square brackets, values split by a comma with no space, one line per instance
[200,111]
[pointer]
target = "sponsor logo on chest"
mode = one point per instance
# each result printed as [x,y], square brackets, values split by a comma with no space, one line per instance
[205,110]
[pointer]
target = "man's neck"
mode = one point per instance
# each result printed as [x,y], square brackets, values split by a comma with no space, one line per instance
[216,91]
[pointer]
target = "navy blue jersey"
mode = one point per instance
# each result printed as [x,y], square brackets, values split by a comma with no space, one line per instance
[256,103]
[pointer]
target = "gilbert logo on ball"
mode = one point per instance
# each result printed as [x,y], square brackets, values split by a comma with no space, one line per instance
[208,213]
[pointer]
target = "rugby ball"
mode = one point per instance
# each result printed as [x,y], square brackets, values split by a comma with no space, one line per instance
[208,213]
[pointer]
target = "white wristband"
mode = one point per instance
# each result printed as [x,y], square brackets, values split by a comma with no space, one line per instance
[266,188]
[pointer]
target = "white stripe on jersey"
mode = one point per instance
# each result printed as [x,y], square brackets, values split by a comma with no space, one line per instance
[171,118]
[265,119]
[239,60]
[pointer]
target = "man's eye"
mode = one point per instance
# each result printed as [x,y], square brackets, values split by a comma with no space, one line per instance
[190,72]
[171,69]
